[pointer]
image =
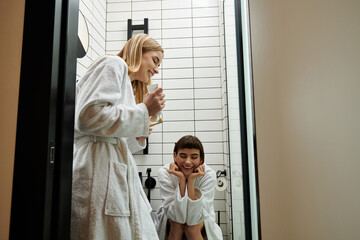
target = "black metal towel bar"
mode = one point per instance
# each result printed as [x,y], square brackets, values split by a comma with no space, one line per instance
[130,29]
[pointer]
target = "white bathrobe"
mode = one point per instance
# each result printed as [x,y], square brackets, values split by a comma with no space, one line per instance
[184,210]
[108,201]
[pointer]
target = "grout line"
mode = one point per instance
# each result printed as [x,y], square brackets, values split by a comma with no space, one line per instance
[162,84]
[193,67]
[106,12]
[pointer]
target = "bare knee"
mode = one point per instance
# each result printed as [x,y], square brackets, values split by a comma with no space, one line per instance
[176,227]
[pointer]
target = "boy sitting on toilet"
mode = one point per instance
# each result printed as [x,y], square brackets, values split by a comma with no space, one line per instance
[187,189]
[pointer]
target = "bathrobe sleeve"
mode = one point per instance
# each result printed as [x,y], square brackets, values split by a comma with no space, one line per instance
[100,108]
[198,210]
[136,145]
[174,205]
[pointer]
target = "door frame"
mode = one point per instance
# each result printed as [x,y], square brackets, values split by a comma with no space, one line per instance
[247,122]
[41,196]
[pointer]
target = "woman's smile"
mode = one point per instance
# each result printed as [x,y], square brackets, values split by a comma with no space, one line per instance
[150,63]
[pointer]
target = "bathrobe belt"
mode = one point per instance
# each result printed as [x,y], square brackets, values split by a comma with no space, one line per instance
[92,138]
[117,141]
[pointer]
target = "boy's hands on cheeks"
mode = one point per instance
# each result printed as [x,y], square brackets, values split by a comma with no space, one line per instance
[199,171]
[175,170]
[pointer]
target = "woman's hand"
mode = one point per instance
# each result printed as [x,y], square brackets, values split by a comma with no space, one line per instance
[154,101]
[143,138]
[199,171]
[175,170]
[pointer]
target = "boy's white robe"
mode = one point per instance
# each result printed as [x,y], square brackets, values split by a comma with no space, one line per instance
[184,210]
[108,201]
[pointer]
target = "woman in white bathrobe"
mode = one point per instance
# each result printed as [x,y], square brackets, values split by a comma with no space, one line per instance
[108,201]
[187,189]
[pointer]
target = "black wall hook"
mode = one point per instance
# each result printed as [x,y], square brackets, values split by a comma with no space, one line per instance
[150,182]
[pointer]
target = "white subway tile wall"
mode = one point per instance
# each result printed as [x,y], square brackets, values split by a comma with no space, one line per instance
[192,74]
[95,14]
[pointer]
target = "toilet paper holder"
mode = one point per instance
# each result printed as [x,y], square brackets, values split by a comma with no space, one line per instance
[219,173]
[221,181]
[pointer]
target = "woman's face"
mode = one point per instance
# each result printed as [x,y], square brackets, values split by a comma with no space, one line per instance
[150,63]
[187,159]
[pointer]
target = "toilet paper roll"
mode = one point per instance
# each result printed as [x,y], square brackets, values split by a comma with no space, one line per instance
[221,184]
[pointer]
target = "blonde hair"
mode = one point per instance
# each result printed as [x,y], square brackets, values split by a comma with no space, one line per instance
[132,54]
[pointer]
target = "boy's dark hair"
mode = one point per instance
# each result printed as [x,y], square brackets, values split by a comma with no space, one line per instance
[190,142]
